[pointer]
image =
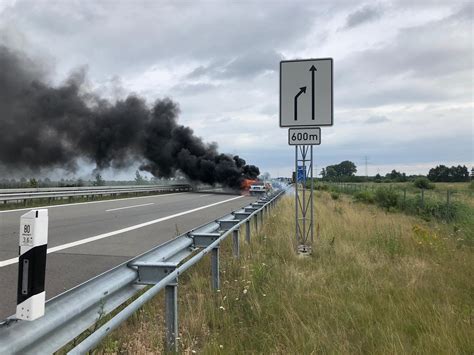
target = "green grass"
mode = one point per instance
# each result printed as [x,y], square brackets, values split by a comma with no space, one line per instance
[376,283]
[458,211]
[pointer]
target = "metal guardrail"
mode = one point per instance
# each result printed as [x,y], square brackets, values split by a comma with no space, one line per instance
[74,192]
[71,313]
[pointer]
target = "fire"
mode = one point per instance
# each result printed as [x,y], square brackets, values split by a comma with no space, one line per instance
[245,186]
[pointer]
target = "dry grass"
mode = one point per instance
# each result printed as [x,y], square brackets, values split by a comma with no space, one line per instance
[377,283]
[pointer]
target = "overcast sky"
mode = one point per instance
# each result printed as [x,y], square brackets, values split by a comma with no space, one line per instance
[403,70]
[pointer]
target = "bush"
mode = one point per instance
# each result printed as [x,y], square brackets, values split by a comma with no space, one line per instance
[423,183]
[386,198]
[364,196]
[321,187]
[334,195]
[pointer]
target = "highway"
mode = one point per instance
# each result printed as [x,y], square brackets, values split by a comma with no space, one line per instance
[86,239]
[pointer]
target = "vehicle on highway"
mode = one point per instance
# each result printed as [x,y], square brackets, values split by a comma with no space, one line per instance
[260,187]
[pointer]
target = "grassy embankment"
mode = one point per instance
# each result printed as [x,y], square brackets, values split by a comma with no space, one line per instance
[377,283]
[446,203]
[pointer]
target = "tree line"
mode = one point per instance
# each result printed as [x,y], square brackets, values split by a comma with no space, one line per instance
[345,172]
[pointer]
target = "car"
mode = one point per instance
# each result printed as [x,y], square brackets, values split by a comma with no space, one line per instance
[259,187]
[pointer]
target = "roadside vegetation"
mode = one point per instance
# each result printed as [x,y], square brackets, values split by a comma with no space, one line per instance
[378,282]
[453,205]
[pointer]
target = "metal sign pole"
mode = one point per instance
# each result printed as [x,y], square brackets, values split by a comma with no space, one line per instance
[303,214]
[304,220]
[296,196]
[312,196]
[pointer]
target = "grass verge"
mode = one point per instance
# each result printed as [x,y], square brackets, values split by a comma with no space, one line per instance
[377,283]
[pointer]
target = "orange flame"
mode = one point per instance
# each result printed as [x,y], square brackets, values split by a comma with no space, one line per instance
[245,186]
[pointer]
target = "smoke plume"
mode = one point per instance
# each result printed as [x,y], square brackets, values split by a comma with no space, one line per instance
[45,127]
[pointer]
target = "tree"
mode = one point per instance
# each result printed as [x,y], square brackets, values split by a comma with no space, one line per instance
[442,173]
[341,171]
[139,180]
[396,176]
[460,173]
[439,174]
[99,181]
[33,183]
[323,173]
[346,168]
[378,178]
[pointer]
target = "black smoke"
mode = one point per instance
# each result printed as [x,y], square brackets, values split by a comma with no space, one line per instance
[45,127]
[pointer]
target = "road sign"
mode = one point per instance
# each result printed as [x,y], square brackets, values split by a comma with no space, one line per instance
[306,92]
[301,174]
[304,136]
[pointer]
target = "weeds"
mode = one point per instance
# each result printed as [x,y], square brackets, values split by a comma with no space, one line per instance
[376,283]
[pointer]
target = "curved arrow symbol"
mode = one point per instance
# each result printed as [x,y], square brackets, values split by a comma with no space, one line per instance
[302,90]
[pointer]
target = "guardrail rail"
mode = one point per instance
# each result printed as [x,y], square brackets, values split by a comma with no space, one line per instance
[31,194]
[76,310]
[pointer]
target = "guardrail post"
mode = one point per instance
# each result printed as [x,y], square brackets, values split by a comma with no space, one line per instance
[216,282]
[247,231]
[235,243]
[171,317]
[261,217]
[256,222]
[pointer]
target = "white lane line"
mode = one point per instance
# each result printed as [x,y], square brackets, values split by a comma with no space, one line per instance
[120,231]
[124,208]
[92,202]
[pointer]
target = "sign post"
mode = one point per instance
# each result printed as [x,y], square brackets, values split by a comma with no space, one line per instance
[32,265]
[306,103]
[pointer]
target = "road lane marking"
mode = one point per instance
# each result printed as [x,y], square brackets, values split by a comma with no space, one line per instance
[123,208]
[120,231]
[92,202]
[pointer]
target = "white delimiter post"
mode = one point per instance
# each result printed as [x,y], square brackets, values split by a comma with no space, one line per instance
[32,265]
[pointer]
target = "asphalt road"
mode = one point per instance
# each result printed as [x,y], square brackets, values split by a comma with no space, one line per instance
[87,239]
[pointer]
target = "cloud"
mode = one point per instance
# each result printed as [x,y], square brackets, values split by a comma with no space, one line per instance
[376,119]
[428,62]
[403,66]
[250,64]
[363,15]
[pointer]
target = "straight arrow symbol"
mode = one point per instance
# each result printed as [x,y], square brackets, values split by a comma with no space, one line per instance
[302,90]
[312,70]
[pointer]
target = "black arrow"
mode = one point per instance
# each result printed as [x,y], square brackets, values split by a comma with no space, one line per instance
[302,90]
[312,70]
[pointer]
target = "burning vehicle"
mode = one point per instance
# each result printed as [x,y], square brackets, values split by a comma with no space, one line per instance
[256,187]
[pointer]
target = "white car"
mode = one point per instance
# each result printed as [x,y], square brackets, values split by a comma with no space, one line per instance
[257,188]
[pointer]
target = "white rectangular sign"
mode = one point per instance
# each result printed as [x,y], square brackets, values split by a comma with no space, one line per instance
[306,92]
[304,136]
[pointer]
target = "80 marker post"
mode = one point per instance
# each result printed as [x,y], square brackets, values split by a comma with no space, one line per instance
[32,265]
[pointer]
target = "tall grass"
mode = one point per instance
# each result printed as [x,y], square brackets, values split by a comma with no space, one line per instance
[376,283]
[456,212]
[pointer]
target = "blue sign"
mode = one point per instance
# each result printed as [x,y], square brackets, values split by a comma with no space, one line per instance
[301,174]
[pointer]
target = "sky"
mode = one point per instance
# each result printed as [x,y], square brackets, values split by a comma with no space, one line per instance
[403,70]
